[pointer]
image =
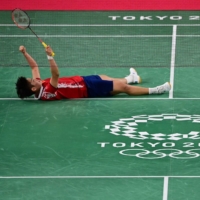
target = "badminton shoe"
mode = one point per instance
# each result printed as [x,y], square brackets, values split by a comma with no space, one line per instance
[133,77]
[166,87]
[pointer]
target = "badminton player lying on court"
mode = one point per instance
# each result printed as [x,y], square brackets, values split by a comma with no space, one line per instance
[56,88]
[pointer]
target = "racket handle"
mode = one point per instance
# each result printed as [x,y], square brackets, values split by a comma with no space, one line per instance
[45,45]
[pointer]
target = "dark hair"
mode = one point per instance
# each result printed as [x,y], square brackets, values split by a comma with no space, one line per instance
[23,88]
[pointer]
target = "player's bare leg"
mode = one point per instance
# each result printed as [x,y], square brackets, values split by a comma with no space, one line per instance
[133,77]
[108,78]
[120,87]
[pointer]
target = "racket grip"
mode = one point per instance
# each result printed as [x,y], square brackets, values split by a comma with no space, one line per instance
[45,45]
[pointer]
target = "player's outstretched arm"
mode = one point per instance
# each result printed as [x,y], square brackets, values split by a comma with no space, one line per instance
[32,63]
[53,67]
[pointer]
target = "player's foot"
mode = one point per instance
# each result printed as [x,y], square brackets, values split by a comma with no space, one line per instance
[166,87]
[133,76]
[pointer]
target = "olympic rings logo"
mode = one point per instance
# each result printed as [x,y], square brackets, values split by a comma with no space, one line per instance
[161,153]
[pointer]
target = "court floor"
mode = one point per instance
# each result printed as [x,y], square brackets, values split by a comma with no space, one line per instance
[123,147]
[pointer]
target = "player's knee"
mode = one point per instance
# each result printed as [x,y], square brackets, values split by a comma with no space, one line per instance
[126,88]
[120,86]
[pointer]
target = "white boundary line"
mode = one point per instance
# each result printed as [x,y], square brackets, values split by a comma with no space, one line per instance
[96,36]
[93,177]
[111,99]
[173,56]
[85,36]
[165,183]
[99,25]
[165,188]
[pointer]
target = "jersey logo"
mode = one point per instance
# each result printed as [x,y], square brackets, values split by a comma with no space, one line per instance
[65,85]
[48,95]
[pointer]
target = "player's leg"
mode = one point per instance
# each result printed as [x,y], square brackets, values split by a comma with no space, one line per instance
[108,78]
[120,87]
[133,77]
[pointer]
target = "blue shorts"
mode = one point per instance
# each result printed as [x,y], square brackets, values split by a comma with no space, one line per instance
[98,87]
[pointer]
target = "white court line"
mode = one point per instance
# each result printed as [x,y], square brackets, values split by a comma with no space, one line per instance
[173,56]
[91,177]
[96,36]
[98,25]
[85,36]
[165,188]
[111,99]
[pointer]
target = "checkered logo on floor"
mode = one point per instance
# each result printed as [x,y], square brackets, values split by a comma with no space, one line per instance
[146,145]
[128,127]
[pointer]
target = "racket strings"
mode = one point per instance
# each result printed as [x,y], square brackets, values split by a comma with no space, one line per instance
[20,18]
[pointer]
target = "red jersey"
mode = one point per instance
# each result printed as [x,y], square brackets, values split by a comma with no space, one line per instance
[68,88]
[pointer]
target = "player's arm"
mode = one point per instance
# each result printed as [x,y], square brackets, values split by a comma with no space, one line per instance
[32,63]
[53,67]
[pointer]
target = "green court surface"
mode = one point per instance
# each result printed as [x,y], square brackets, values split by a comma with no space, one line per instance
[141,148]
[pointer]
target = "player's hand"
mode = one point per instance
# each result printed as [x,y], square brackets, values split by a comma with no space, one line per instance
[49,51]
[22,49]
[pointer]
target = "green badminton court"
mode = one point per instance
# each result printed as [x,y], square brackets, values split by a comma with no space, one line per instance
[141,148]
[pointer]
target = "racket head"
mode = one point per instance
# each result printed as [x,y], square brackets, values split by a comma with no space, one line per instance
[20,18]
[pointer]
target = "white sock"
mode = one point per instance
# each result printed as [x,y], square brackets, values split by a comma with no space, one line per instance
[153,90]
[129,79]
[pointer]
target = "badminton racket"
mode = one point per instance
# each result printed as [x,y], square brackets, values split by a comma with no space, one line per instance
[22,20]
